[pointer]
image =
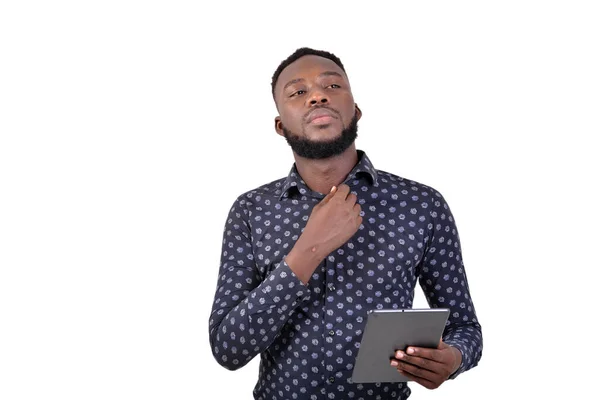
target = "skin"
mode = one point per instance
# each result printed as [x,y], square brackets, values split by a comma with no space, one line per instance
[309,83]
[428,367]
[306,84]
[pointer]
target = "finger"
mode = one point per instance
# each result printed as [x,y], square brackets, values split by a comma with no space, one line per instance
[329,195]
[421,381]
[357,208]
[419,362]
[359,221]
[415,370]
[342,191]
[351,199]
[424,352]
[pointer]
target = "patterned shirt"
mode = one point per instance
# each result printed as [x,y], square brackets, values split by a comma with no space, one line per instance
[308,335]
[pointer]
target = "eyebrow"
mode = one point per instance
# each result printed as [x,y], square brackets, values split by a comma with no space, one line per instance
[326,73]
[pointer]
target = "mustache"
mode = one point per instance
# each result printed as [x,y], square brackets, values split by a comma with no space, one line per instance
[333,110]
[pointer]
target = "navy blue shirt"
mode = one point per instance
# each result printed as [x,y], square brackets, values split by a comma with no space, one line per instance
[308,335]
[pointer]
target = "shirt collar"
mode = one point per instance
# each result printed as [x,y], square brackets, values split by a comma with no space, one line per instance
[294,181]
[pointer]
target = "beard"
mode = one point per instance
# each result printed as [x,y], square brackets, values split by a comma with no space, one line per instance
[316,150]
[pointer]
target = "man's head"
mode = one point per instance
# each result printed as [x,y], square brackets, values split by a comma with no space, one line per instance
[317,113]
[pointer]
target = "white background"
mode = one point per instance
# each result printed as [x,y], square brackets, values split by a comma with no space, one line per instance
[129,128]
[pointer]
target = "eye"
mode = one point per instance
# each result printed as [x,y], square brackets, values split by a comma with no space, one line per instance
[298,92]
[334,86]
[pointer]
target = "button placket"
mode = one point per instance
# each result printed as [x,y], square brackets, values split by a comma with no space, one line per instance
[330,333]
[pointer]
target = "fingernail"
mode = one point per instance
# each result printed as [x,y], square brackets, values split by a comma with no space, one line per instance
[410,350]
[394,363]
[332,189]
[399,354]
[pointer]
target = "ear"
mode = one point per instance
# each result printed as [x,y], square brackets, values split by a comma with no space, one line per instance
[278,126]
[358,112]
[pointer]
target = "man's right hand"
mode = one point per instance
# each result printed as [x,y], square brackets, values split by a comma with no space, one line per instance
[332,223]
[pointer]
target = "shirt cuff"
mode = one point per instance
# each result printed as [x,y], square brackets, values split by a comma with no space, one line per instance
[282,289]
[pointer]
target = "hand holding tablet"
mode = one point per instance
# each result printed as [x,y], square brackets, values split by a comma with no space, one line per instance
[428,367]
[390,333]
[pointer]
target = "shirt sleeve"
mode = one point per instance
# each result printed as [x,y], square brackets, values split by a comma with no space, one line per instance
[249,311]
[443,279]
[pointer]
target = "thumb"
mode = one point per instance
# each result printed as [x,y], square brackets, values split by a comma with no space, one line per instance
[331,193]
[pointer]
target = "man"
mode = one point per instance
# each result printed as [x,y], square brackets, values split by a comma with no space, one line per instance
[305,257]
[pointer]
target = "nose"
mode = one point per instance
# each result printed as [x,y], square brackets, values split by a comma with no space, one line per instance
[318,97]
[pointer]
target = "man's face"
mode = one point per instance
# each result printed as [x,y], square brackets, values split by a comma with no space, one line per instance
[318,116]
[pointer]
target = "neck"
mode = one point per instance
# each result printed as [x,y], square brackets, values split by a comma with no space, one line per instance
[321,175]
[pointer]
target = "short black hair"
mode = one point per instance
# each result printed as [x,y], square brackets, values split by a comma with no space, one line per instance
[301,52]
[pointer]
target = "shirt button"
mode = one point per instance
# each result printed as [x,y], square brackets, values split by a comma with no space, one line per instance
[330,286]
[331,333]
[331,380]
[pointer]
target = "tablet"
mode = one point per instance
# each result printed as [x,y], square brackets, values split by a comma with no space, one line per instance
[389,330]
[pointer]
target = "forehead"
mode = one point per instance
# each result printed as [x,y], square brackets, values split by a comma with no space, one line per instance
[307,67]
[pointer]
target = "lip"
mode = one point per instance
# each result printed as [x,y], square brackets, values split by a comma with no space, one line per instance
[321,116]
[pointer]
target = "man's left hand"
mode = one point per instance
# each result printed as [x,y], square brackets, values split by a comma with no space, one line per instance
[428,367]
